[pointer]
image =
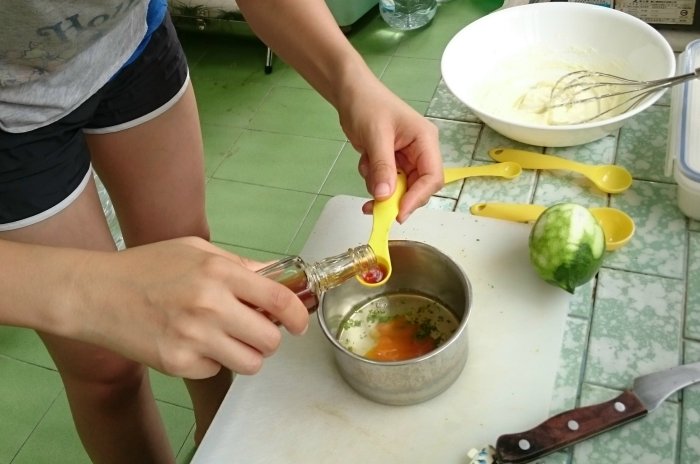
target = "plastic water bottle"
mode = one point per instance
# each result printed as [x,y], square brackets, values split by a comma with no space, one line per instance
[407,14]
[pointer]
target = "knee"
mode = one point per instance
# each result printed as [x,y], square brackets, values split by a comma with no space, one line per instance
[112,384]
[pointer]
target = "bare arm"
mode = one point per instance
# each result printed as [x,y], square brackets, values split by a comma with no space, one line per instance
[384,129]
[181,306]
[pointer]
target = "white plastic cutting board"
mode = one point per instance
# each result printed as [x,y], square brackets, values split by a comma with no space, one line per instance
[299,410]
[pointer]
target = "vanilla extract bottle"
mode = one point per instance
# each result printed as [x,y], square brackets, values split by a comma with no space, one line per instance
[310,280]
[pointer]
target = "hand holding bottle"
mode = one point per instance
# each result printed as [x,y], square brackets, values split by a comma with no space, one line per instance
[184,307]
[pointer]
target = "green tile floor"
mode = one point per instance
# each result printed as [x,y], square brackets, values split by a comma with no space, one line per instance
[275,154]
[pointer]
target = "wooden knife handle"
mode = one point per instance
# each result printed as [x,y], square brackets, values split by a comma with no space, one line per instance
[567,428]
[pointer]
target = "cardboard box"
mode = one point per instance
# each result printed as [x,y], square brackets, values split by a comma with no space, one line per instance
[670,14]
[662,14]
[683,24]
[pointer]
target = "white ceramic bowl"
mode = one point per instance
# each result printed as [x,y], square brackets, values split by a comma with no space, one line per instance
[503,44]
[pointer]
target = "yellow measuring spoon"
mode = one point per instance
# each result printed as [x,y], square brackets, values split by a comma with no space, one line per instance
[508,170]
[609,178]
[383,216]
[617,226]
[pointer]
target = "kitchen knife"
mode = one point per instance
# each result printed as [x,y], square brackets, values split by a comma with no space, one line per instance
[569,427]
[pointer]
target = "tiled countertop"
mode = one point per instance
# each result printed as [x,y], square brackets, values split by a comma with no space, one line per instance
[642,312]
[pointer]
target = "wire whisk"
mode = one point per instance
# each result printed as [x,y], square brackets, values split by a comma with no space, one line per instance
[603,94]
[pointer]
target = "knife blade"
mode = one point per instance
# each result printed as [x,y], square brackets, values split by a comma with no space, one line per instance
[572,426]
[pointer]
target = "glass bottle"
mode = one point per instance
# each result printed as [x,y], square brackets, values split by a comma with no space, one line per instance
[310,280]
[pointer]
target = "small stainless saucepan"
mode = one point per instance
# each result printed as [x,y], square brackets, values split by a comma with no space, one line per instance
[420,271]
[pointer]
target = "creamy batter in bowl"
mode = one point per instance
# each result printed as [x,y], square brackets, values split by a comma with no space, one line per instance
[501,65]
[524,90]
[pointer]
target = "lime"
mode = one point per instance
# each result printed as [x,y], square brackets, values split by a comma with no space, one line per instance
[567,245]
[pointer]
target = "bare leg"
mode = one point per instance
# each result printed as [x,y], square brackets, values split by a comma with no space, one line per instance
[155,176]
[109,396]
[112,405]
[207,396]
[154,173]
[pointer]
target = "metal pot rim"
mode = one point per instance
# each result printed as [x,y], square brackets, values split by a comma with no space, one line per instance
[444,346]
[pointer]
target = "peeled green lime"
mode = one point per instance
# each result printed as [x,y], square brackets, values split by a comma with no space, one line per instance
[567,245]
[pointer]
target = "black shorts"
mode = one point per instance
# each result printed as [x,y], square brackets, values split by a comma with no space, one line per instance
[44,170]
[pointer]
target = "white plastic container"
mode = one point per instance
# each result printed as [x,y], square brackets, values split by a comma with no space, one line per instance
[683,158]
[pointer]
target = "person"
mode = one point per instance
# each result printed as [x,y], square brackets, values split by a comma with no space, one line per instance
[90,85]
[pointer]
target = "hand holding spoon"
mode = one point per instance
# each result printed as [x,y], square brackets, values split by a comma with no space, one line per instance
[383,216]
[507,170]
[609,178]
[617,226]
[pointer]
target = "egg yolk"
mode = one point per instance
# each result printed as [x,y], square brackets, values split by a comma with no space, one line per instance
[398,340]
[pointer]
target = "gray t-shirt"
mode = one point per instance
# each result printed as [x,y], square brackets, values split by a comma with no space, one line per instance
[55,54]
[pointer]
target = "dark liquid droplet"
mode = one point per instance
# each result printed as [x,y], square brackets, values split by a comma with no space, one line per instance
[375,275]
